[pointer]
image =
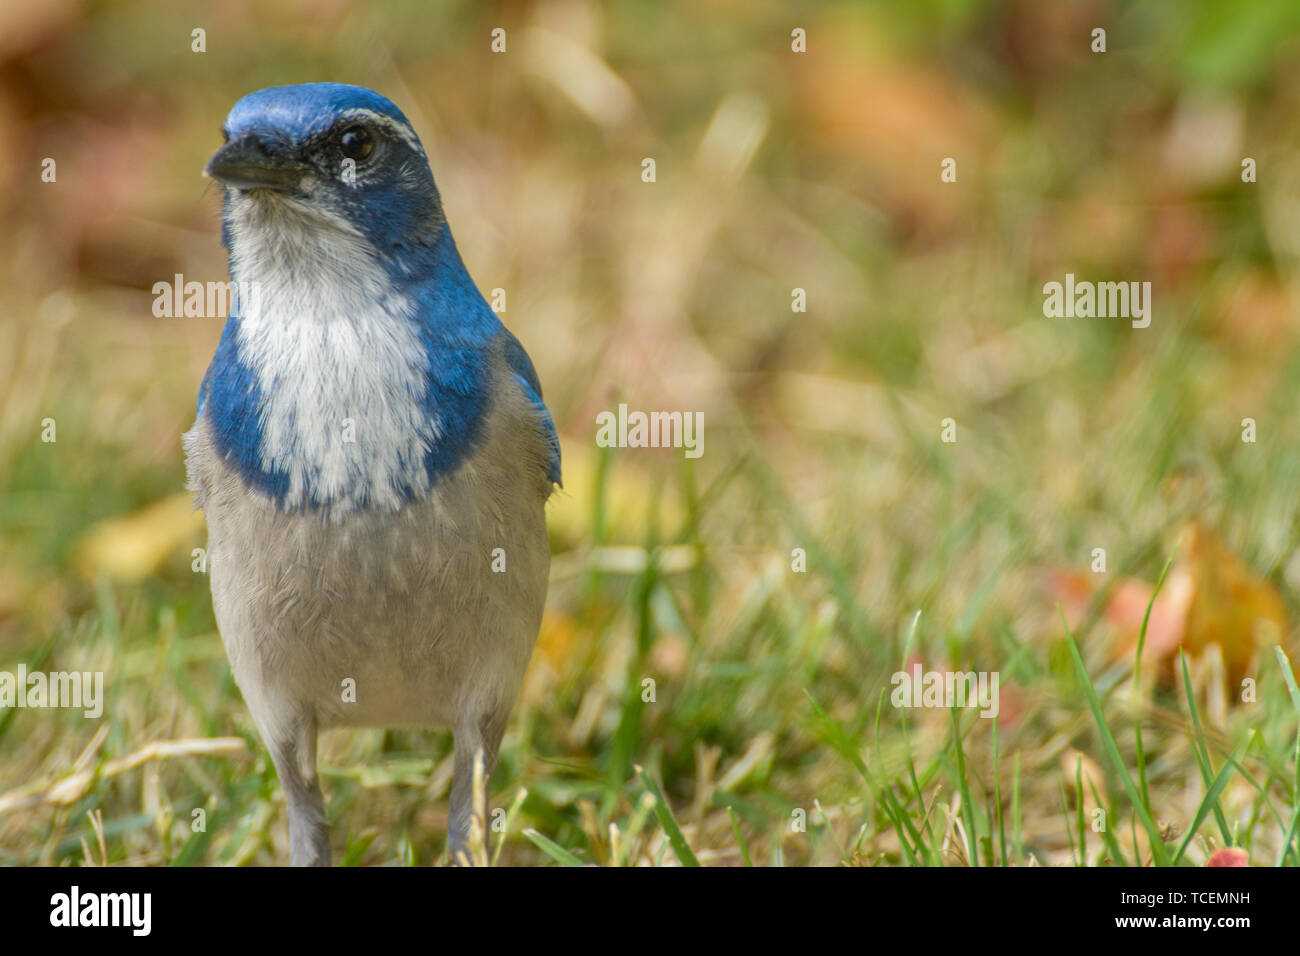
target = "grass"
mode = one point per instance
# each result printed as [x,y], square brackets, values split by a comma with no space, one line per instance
[769,739]
[767,736]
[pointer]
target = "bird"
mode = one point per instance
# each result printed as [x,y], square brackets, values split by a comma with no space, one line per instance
[371,452]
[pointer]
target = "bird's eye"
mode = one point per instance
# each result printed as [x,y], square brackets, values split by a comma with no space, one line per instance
[225,135]
[356,143]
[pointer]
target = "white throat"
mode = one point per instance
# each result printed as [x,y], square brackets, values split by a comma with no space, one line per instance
[336,356]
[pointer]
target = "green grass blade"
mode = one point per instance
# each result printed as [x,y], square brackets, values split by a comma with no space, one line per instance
[1159,851]
[1078,806]
[740,838]
[1019,844]
[1288,675]
[1211,798]
[838,739]
[1137,682]
[997,793]
[516,806]
[1112,844]
[1200,750]
[552,849]
[963,788]
[668,821]
[1076,857]
[356,850]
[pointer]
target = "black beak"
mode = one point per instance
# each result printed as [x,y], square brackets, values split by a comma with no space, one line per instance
[256,162]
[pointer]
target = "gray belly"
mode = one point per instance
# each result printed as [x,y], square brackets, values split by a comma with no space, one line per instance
[379,619]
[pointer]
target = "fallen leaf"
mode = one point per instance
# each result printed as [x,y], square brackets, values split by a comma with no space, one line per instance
[1229,856]
[1210,598]
[1127,607]
[628,489]
[134,546]
[1232,606]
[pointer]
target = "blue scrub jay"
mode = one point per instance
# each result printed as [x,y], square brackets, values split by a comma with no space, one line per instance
[371,450]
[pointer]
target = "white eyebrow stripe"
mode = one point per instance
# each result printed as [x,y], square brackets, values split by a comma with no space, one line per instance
[405,132]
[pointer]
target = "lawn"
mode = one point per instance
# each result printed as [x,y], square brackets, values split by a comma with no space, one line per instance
[910,467]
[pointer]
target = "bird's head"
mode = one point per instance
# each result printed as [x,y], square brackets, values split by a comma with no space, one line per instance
[330,155]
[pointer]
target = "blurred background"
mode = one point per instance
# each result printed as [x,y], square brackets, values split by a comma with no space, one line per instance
[775,171]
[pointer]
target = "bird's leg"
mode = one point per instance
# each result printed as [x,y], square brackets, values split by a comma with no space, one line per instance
[293,749]
[473,736]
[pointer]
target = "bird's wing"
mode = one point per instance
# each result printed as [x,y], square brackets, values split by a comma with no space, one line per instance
[522,367]
[203,392]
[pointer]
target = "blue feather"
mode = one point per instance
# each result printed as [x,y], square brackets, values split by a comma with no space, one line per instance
[304,109]
[400,216]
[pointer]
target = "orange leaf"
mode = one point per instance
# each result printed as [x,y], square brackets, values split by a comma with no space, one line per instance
[1231,605]
[1210,597]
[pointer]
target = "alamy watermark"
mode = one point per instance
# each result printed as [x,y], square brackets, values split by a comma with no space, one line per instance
[205,300]
[1085,300]
[76,689]
[133,911]
[626,429]
[946,689]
